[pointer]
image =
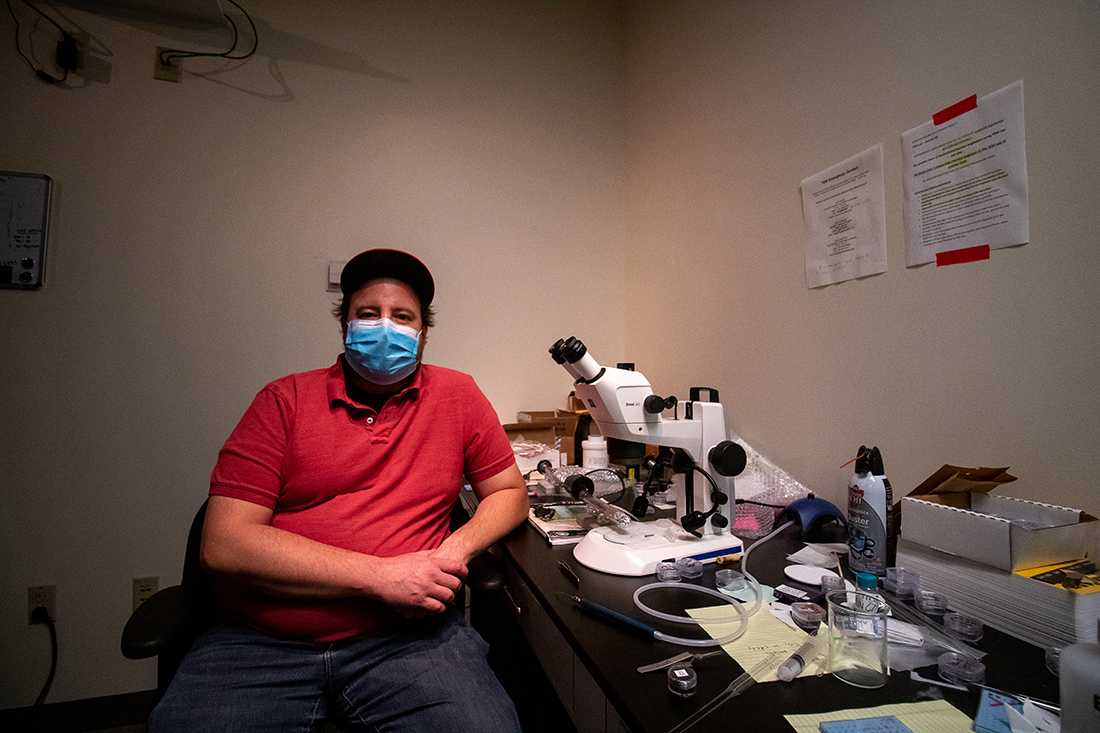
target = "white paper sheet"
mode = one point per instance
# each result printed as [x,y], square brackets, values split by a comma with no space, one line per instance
[965,180]
[844,220]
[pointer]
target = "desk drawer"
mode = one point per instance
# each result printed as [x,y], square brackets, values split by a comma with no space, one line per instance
[550,648]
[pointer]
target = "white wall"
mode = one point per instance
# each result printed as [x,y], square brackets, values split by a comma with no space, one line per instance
[191,227]
[731,104]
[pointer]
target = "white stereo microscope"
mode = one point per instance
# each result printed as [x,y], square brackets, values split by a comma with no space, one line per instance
[624,406]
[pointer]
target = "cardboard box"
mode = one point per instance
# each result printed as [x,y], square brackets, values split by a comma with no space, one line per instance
[953,511]
[545,431]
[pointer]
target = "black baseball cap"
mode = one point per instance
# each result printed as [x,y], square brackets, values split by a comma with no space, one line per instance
[389,263]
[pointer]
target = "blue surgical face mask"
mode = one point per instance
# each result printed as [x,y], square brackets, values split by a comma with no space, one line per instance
[381,351]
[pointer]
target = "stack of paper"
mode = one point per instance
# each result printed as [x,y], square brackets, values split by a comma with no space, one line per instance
[1034,605]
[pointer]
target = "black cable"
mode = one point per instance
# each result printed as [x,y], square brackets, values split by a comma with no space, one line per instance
[18,45]
[760,503]
[66,40]
[39,10]
[44,617]
[707,476]
[622,491]
[175,53]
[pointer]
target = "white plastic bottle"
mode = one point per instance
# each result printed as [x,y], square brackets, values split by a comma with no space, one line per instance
[1079,682]
[594,452]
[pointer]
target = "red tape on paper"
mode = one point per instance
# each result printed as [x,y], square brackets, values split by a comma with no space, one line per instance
[958,108]
[959,256]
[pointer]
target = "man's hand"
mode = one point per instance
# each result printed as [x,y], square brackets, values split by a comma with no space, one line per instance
[419,583]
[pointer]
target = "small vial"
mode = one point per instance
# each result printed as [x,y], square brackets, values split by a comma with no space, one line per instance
[962,627]
[832,583]
[682,680]
[689,568]
[667,571]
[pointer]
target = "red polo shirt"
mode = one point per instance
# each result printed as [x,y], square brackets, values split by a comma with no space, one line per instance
[335,470]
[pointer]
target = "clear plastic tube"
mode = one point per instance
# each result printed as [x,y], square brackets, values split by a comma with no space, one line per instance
[741,615]
[753,546]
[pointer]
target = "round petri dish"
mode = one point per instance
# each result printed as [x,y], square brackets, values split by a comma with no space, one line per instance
[959,668]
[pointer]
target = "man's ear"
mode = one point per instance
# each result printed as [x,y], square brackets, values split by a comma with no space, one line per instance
[423,341]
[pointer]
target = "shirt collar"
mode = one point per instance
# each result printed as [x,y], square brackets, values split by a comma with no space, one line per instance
[336,385]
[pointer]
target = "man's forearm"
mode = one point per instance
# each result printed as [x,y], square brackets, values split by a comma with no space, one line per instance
[288,564]
[497,514]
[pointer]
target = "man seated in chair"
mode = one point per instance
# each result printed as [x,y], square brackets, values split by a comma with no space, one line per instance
[327,533]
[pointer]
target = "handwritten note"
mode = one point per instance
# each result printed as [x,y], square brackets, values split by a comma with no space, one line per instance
[766,636]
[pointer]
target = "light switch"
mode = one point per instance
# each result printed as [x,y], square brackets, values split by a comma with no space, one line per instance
[335,267]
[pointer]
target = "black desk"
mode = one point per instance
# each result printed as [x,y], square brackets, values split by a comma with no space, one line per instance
[610,655]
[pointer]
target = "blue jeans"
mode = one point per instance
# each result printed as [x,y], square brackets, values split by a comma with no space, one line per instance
[429,677]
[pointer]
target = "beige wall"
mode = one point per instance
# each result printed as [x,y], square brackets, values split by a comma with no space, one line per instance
[192,224]
[558,174]
[731,104]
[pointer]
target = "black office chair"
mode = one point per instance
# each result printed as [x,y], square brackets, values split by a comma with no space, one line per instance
[166,624]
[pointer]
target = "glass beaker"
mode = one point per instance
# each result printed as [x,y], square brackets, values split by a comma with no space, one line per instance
[857,638]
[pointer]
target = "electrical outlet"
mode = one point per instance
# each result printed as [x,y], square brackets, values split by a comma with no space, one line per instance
[42,595]
[166,71]
[144,588]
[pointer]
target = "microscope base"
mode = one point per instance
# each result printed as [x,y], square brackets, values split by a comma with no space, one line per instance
[636,548]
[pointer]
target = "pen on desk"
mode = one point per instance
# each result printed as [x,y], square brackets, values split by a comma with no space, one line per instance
[569,574]
[607,614]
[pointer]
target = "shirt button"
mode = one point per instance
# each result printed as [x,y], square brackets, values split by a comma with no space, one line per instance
[370,421]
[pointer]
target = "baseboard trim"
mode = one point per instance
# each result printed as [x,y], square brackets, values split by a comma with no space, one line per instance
[75,716]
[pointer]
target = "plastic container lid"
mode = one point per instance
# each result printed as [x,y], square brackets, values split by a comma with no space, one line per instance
[955,667]
[682,679]
[729,580]
[932,603]
[807,616]
[867,581]
[962,627]
[667,571]
[689,567]
[901,582]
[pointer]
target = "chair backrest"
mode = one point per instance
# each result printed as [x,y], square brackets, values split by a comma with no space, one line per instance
[195,581]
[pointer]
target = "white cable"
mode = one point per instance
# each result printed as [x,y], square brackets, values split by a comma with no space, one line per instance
[754,545]
[741,615]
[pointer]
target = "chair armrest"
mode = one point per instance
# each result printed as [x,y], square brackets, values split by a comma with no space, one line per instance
[161,622]
[486,573]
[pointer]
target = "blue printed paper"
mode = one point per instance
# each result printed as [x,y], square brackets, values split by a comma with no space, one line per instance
[884,724]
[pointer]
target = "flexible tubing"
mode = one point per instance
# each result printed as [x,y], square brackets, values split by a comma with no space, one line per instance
[753,546]
[742,615]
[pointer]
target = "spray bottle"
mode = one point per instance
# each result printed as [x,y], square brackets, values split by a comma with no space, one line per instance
[870,497]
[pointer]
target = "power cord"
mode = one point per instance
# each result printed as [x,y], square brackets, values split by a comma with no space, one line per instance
[760,503]
[622,491]
[41,615]
[67,53]
[168,54]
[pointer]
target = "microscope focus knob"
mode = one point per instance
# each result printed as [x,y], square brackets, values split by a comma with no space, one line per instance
[719,521]
[728,458]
